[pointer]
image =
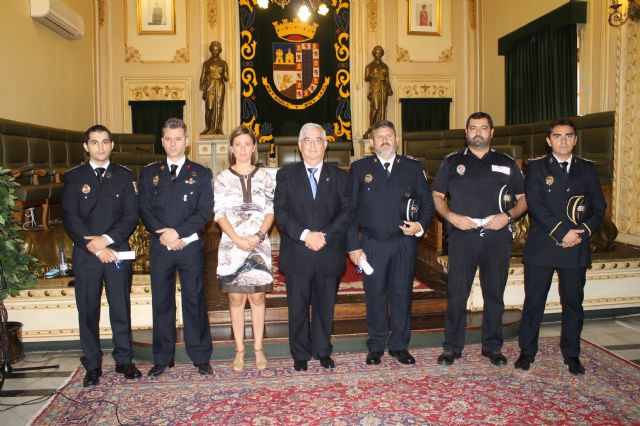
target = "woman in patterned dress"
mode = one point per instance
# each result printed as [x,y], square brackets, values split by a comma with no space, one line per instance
[244,211]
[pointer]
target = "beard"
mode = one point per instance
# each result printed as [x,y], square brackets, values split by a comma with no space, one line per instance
[478,142]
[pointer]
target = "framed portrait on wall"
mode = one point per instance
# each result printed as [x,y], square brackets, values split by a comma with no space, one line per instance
[156,16]
[424,17]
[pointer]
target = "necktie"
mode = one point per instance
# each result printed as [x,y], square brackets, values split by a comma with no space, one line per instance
[312,181]
[564,165]
[386,168]
[173,167]
[99,172]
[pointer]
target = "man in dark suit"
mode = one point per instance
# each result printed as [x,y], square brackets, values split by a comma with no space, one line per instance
[480,232]
[176,202]
[379,184]
[99,212]
[313,213]
[566,205]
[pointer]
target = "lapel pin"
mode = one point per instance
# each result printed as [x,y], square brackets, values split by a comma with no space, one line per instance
[86,189]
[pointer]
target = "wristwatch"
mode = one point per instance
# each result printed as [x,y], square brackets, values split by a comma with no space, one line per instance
[509,217]
[261,235]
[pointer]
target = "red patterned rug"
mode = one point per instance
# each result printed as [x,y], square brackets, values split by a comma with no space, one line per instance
[350,283]
[470,392]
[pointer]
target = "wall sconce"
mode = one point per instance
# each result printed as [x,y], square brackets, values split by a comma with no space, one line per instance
[304,12]
[623,10]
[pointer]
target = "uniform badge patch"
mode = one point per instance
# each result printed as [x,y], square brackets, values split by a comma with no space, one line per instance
[549,180]
[461,169]
[108,175]
[190,181]
[162,167]
[368,178]
[86,189]
[155,180]
[135,187]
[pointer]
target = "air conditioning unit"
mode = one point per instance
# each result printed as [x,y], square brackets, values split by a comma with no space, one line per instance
[59,17]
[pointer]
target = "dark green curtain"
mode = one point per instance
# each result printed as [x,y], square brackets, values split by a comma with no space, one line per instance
[541,73]
[149,116]
[425,114]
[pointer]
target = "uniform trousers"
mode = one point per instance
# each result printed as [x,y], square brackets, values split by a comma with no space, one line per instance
[468,251]
[311,337]
[388,291]
[537,281]
[188,262]
[89,276]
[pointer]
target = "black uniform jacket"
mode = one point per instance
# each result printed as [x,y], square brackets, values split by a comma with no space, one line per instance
[296,210]
[548,191]
[185,204]
[95,208]
[377,199]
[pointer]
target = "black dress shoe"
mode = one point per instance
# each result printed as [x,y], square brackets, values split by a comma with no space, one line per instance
[158,369]
[575,367]
[92,377]
[403,356]
[374,357]
[449,357]
[205,369]
[327,362]
[300,364]
[524,362]
[496,358]
[129,371]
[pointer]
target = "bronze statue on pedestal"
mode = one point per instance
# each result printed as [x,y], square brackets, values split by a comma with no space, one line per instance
[215,73]
[377,74]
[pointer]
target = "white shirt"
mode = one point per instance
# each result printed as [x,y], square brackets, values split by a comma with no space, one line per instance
[178,163]
[568,160]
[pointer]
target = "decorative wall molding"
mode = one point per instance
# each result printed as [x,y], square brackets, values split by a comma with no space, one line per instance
[102,10]
[425,88]
[471,5]
[372,15]
[626,206]
[402,55]
[446,55]
[181,56]
[132,55]
[212,13]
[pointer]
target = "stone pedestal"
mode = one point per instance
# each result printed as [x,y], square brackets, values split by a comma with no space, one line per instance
[212,151]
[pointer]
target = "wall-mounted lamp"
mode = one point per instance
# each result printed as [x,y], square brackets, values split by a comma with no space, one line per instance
[621,10]
[304,12]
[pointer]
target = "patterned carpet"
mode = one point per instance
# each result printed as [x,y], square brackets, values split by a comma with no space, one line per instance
[350,283]
[470,392]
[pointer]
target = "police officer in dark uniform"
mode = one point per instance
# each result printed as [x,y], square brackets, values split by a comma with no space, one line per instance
[566,206]
[99,212]
[380,184]
[479,234]
[176,202]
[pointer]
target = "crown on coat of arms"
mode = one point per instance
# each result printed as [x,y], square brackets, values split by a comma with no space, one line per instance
[295,30]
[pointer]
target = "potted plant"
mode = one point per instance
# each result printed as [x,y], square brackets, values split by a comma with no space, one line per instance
[16,264]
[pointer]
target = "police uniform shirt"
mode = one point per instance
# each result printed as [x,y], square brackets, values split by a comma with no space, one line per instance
[474,184]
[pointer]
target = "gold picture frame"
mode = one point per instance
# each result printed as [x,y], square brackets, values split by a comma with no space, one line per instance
[156,16]
[424,17]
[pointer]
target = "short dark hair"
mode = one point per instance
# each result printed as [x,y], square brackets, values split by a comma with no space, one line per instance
[383,123]
[96,128]
[563,121]
[478,116]
[243,130]
[174,123]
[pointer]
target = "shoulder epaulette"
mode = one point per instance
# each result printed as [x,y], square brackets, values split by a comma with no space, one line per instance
[74,167]
[538,158]
[154,162]
[506,155]
[451,154]
[124,167]
[585,159]
[411,158]
[201,165]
